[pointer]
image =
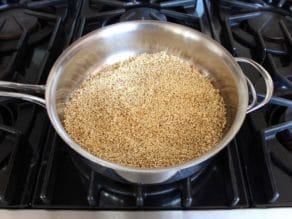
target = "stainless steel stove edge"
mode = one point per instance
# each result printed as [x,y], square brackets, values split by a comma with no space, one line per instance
[266,213]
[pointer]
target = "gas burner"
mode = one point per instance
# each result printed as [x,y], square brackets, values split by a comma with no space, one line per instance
[267,24]
[167,195]
[143,14]
[115,191]
[118,192]
[101,13]
[14,22]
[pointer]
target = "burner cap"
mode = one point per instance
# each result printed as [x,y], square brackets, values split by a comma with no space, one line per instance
[143,14]
[268,25]
[14,22]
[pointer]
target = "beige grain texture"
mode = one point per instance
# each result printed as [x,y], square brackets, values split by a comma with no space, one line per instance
[150,111]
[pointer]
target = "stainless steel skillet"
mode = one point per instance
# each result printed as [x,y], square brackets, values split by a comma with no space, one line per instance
[119,41]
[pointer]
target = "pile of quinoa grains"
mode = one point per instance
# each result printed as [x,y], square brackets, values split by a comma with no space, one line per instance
[149,111]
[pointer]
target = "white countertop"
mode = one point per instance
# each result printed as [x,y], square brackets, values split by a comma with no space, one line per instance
[268,213]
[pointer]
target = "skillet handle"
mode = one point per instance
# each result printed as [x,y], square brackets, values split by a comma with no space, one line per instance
[268,81]
[21,90]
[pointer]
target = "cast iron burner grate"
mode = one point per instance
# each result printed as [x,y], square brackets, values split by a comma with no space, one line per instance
[30,32]
[37,157]
[263,28]
[271,145]
[19,152]
[239,26]
[30,42]
[261,32]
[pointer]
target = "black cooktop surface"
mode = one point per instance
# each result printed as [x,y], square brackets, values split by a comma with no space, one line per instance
[37,169]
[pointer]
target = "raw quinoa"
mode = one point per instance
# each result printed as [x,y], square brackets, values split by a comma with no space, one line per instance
[150,111]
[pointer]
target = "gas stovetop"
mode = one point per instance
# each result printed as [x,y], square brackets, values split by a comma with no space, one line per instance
[37,170]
